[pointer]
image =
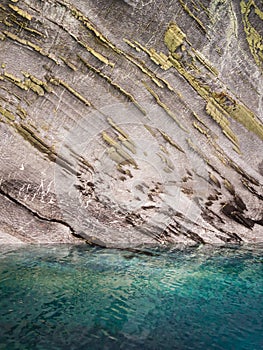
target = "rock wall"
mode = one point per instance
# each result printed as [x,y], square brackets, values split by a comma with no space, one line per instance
[131,122]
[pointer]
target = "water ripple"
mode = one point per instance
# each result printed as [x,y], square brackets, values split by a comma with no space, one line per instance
[76,297]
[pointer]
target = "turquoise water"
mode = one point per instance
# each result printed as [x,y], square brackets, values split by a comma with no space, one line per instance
[77,297]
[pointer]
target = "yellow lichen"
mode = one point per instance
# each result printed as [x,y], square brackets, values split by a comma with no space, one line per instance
[6,113]
[166,161]
[170,140]
[229,186]
[115,156]
[11,77]
[33,83]
[214,179]
[220,116]
[18,82]
[219,106]
[202,90]
[57,81]
[165,107]
[199,119]
[174,37]
[200,129]
[131,44]
[117,128]
[37,81]
[121,153]
[127,144]
[34,87]
[254,39]
[29,135]
[190,13]
[159,58]
[123,136]
[130,97]
[33,46]
[204,61]
[69,64]
[21,12]
[96,54]
[201,154]
[240,113]
[21,112]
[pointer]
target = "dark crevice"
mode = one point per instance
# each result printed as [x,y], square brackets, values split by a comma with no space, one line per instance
[37,215]
[186,232]
[235,213]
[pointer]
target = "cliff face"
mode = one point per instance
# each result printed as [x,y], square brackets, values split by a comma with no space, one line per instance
[131,122]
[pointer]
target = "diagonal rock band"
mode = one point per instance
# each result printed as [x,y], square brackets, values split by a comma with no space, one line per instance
[137,122]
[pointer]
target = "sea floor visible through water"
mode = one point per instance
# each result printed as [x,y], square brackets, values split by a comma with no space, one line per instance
[81,297]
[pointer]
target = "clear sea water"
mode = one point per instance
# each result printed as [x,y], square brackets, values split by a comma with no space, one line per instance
[78,297]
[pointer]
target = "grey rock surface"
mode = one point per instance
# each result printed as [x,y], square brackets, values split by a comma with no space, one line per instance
[126,123]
